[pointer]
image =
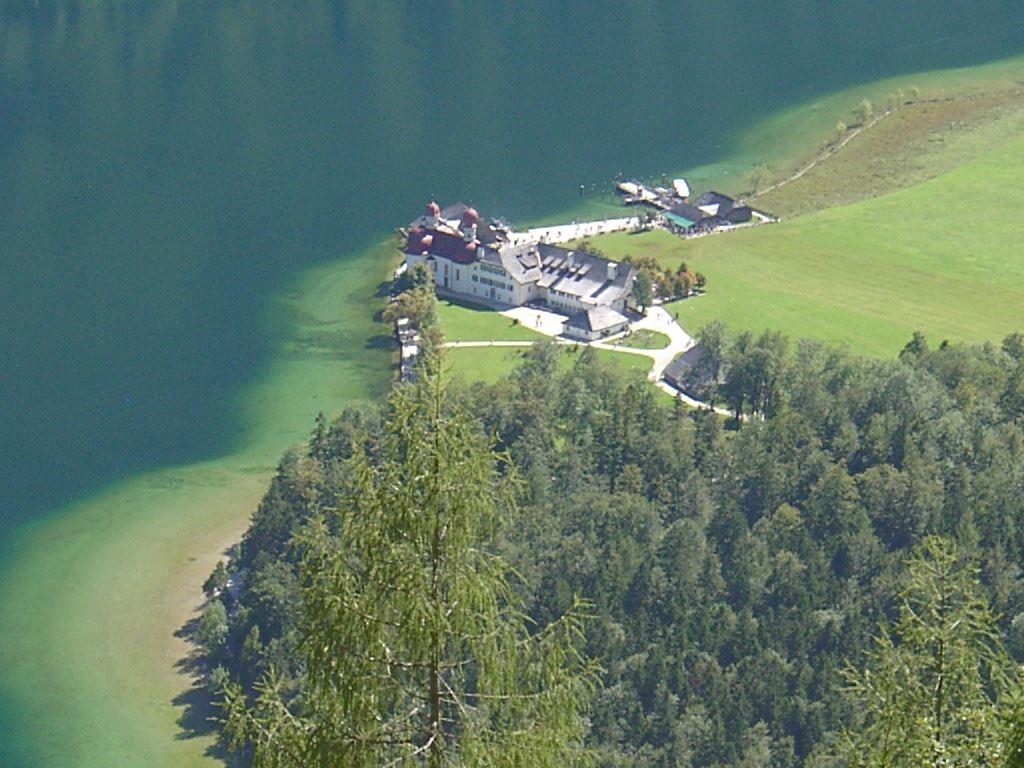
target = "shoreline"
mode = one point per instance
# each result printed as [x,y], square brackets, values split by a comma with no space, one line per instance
[94,593]
[781,143]
[94,655]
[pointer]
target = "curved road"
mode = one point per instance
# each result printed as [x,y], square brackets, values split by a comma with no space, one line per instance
[657,319]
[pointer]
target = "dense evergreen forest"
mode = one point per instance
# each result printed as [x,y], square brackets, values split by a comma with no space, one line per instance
[733,569]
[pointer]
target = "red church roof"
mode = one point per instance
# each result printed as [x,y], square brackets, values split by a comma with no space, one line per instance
[440,243]
[470,217]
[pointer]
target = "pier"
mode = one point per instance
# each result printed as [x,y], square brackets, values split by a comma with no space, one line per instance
[562,233]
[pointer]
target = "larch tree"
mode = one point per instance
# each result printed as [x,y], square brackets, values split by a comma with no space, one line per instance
[864,111]
[938,686]
[417,651]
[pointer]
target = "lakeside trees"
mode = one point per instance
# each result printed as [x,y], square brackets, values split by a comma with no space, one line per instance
[734,573]
[864,111]
[414,648]
[419,304]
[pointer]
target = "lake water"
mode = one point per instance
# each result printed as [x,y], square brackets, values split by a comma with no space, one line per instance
[166,167]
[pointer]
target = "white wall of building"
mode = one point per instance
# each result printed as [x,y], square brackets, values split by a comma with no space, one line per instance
[486,282]
[491,283]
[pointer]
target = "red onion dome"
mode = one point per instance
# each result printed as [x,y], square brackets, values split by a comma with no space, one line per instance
[433,209]
[414,242]
[470,217]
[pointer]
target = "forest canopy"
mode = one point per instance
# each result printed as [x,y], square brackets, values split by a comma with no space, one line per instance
[735,575]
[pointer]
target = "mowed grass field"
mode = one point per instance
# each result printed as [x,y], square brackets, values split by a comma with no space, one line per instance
[945,257]
[491,364]
[644,339]
[470,322]
[781,143]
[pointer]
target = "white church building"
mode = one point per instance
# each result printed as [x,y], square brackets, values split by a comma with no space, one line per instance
[475,260]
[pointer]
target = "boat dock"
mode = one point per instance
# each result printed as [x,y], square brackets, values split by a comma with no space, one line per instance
[564,232]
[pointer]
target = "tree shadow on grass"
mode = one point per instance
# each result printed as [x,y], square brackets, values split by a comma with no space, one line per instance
[198,711]
[464,304]
[381,341]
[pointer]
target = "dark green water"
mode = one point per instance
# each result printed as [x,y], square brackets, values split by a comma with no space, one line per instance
[165,167]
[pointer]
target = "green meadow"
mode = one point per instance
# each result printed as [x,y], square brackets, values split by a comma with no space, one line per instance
[488,365]
[784,141]
[471,322]
[945,257]
[644,339]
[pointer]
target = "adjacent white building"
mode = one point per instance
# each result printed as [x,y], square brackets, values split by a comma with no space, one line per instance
[474,259]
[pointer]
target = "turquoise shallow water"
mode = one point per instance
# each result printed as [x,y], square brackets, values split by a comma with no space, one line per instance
[165,168]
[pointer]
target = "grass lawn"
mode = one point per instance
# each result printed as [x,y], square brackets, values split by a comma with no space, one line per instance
[778,145]
[945,257]
[491,364]
[644,339]
[481,364]
[912,144]
[462,321]
[631,365]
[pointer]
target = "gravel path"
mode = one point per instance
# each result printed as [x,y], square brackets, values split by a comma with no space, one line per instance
[463,344]
[657,319]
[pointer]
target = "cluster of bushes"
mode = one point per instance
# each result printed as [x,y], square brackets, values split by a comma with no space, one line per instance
[413,297]
[656,281]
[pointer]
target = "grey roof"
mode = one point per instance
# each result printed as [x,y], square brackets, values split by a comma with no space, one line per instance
[489,232]
[575,273]
[687,211]
[739,213]
[730,211]
[521,262]
[715,198]
[454,211]
[680,369]
[597,319]
[583,275]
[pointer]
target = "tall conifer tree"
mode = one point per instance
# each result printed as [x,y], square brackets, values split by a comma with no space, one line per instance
[938,686]
[417,652]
